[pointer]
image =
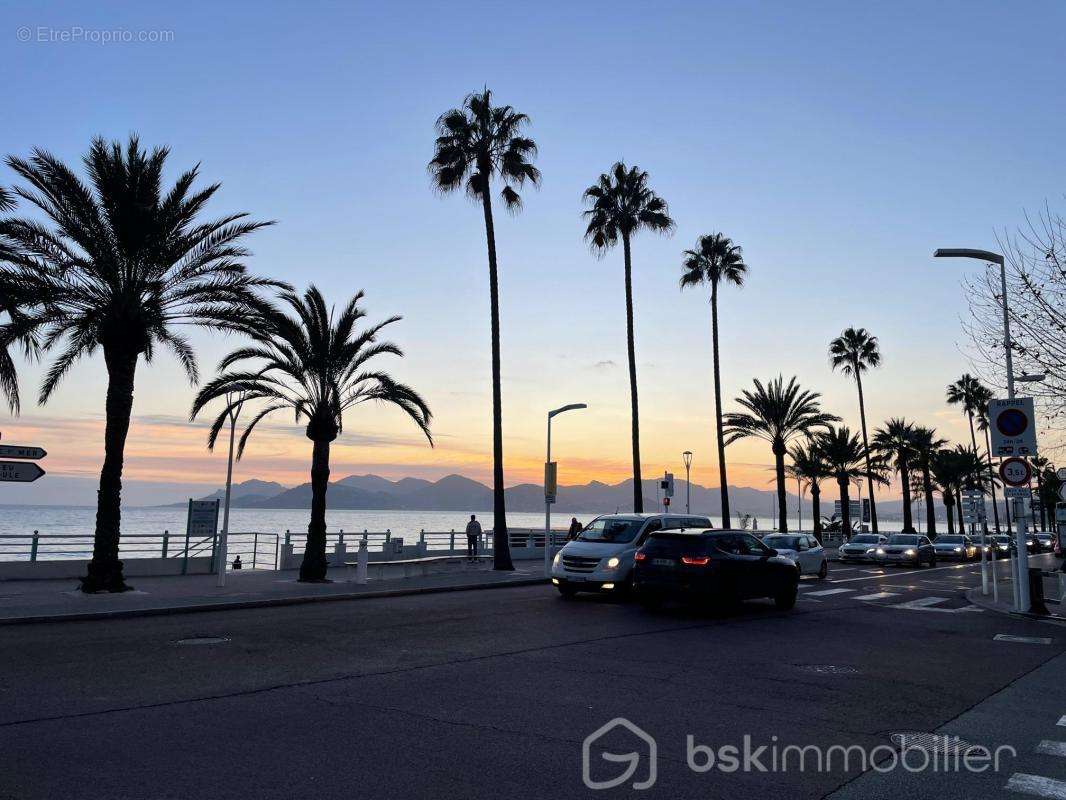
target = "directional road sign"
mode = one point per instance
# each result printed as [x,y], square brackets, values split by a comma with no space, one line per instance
[21,451]
[19,472]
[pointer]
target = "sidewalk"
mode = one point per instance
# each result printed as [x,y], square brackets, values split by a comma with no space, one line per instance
[1005,603]
[60,600]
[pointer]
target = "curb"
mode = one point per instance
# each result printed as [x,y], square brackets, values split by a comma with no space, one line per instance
[268,602]
[974,596]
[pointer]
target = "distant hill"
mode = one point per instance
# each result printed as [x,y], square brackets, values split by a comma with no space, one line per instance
[457,493]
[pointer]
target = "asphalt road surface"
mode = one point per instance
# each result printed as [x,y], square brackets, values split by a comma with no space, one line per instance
[492,694]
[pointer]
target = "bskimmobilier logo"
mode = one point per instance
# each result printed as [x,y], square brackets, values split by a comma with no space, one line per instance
[645,747]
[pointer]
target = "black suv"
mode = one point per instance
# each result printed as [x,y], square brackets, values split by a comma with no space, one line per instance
[716,566]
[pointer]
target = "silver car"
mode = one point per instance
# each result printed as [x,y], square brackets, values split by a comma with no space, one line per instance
[862,547]
[803,549]
[954,548]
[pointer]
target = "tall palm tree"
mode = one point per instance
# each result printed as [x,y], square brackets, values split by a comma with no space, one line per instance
[117,266]
[715,260]
[948,472]
[846,458]
[984,424]
[854,352]
[895,442]
[1040,464]
[621,205]
[316,367]
[777,413]
[477,143]
[926,443]
[810,467]
[8,305]
[969,393]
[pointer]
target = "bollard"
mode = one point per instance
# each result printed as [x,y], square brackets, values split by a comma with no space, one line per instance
[362,561]
[166,538]
[33,546]
[451,543]
[1036,591]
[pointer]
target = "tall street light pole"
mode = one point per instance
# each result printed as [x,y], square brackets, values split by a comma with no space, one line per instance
[234,406]
[1021,578]
[549,498]
[687,458]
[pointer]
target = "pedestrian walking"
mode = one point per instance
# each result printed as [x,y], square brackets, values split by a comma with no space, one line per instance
[473,534]
[575,529]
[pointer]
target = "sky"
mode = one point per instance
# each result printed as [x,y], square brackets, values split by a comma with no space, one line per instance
[839,144]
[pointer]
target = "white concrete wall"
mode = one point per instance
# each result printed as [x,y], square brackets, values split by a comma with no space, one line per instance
[76,568]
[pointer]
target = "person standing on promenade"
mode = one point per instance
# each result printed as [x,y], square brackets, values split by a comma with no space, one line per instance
[473,534]
[575,529]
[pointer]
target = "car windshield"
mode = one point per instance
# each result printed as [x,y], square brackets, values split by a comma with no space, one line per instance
[902,538]
[868,538]
[950,540]
[782,542]
[611,530]
[1043,536]
[1001,539]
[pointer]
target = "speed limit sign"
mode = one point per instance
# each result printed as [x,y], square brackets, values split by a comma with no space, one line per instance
[1015,472]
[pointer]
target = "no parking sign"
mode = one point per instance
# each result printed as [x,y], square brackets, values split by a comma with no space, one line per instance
[1013,427]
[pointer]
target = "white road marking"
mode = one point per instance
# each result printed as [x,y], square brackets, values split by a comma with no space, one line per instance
[891,576]
[1006,637]
[1051,748]
[878,596]
[874,571]
[922,602]
[1036,784]
[825,592]
[1062,721]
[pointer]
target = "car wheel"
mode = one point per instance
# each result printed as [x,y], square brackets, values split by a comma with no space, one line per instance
[785,599]
[932,561]
[824,570]
[566,591]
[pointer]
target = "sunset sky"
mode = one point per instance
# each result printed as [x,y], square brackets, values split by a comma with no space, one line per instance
[838,143]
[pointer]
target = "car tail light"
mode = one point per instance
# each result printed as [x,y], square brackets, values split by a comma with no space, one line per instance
[696,561]
[640,555]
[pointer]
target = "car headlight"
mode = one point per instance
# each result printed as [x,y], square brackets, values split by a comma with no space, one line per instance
[612,562]
[958,549]
[873,550]
[557,559]
[880,551]
[911,552]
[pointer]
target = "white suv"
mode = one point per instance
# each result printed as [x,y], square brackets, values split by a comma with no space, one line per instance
[600,559]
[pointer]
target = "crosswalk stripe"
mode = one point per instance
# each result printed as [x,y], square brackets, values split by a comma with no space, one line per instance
[922,602]
[1006,637]
[1036,784]
[877,596]
[825,592]
[1051,748]
[1062,720]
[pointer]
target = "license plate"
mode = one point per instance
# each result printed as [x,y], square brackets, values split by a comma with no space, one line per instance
[663,562]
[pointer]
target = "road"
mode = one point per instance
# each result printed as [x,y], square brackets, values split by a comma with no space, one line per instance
[490,694]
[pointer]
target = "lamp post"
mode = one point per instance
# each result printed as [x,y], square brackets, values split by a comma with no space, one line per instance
[687,458]
[1021,578]
[550,498]
[234,411]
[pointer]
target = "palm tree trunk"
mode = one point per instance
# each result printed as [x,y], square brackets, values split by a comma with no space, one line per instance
[905,481]
[845,509]
[816,509]
[724,483]
[958,507]
[105,570]
[314,564]
[991,479]
[949,509]
[501,546]
[930,509]
[638,484]
[866,448]
[782,503]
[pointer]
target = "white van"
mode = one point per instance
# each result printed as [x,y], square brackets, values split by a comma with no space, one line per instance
[600,559]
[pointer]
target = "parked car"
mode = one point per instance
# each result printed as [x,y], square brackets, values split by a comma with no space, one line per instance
[802,548]
[862,547]
[1045,542]
[600,559]
[712,566]
[1003,545]
[907,548]
[955,548]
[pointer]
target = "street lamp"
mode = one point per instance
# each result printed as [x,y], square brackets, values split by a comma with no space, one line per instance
[549,477]
[687,458]
[1021,579]
[995,258]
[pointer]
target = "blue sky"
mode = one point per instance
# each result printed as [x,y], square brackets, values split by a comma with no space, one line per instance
[838,143]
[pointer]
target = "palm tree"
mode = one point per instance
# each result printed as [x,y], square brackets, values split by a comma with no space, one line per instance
[896,443]
[809,466]
[1041,463]
[317,368]
[984,397]
[846,458]
[973,396]
[7,202]
[621,205]
[9,305]
[714,260]
[948,473]
[777,414]
[853,353]
[120,264]
[475,144]
[926,443]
